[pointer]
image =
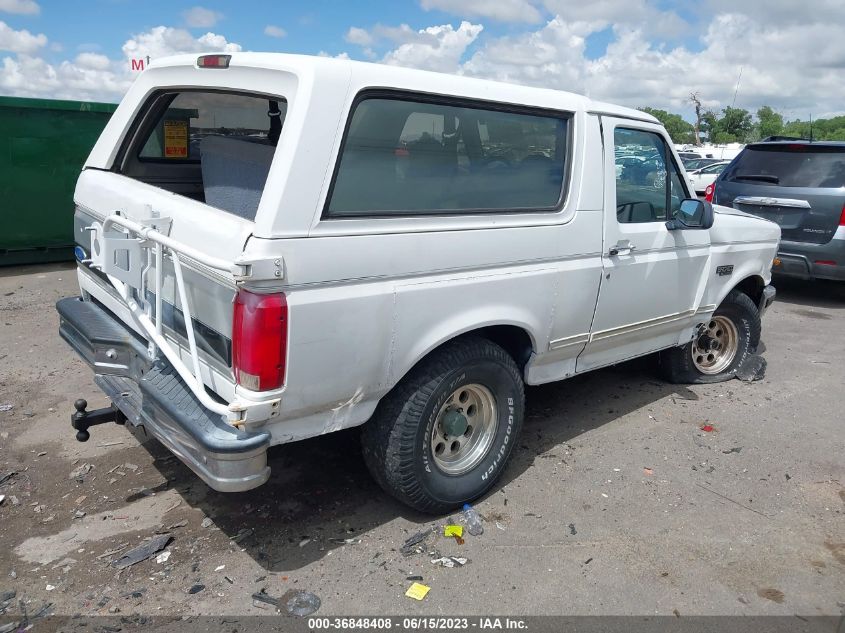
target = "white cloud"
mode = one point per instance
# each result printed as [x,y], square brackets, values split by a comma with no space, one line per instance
[438,48]
[27,76]
[780,12]
[20,41]
[162,41]
[201,18]
[501,10]
[358,36]
[791,60]
[435,48]
[551,57]
[642,14]
[92,61]
[793,64]
[274,31]
[93,76]
[21,7]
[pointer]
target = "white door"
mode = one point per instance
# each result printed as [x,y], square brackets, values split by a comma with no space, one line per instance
[653,277]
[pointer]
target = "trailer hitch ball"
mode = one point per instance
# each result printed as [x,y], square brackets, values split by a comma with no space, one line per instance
[82,420]
[77,420]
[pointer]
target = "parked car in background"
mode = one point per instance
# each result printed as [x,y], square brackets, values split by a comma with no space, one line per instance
[624,162]
[719,152]
[691,164]
[700,178]
[801,186]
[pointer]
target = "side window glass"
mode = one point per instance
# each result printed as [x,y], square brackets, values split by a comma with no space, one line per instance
[410,157]
[648,183]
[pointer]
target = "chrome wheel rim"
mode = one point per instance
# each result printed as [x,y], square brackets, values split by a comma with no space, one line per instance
[464,429]
[715,346]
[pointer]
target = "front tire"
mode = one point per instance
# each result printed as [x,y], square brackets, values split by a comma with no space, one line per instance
[442,437]
[720,346]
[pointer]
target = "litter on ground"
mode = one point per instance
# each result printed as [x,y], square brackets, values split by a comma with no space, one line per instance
[450,561]
[417,591]
[412,544]
[453,530]
[142,552]
[303,603]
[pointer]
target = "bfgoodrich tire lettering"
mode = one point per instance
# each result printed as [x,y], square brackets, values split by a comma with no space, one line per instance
[396,442]
[677,363]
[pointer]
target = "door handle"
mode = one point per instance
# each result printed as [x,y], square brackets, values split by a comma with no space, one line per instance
[622,248]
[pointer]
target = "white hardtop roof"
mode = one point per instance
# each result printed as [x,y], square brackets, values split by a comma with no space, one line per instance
[369,75]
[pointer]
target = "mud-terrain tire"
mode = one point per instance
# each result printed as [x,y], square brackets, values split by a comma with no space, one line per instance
[406,445]
[720,348]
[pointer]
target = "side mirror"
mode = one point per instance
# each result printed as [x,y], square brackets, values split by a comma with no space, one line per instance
[692,214]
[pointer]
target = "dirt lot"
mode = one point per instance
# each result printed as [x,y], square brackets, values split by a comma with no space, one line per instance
[616,501]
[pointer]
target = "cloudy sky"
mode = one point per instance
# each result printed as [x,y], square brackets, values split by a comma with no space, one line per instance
[635,52]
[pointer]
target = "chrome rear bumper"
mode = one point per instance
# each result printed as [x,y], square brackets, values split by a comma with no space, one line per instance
[158,403]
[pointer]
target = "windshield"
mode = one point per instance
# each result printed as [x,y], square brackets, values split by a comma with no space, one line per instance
[796,165]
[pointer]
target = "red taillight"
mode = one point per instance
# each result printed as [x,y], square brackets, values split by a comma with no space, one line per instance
[214,61]
[708,192]
[260,340]
[825,262]
[842,216]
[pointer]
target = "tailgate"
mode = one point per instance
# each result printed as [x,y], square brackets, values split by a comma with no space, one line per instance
[210,231]
[166,265]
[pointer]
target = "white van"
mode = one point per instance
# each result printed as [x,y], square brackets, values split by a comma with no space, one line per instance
[272,247]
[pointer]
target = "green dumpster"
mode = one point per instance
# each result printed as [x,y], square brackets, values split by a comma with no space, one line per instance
[43,144]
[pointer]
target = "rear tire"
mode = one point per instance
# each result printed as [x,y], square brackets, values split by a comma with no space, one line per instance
[443,435]
[721,346]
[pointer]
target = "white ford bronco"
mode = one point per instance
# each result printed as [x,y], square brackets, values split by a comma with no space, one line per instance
[272,247]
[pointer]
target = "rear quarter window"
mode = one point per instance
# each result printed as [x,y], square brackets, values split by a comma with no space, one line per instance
[790,166]
[405,155]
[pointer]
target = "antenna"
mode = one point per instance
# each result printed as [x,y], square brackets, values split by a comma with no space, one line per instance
[811,127]
[733,103]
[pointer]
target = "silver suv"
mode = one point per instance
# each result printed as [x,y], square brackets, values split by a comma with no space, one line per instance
[801,186]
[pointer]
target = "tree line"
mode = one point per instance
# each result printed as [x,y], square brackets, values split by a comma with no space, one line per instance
[737,125]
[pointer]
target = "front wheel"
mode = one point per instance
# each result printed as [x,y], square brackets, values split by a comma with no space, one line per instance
[442,437]
[720,346]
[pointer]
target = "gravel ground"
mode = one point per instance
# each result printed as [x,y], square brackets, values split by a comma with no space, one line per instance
[616,501]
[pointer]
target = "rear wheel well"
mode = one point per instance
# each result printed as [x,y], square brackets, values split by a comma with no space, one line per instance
[516,342]
[752,287]
[513,339]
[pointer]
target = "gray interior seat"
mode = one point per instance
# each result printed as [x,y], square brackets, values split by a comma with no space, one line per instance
[234,171]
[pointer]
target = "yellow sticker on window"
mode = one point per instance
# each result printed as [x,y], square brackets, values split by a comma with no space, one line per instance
[417,591]
[175,139]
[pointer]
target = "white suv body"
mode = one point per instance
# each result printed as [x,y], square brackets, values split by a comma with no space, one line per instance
[465,211]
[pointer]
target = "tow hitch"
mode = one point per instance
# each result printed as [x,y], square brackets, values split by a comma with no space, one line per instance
[82,420]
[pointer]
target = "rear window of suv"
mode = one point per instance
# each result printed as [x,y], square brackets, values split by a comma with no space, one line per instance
[212,146]
[791,165]
[192,116]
